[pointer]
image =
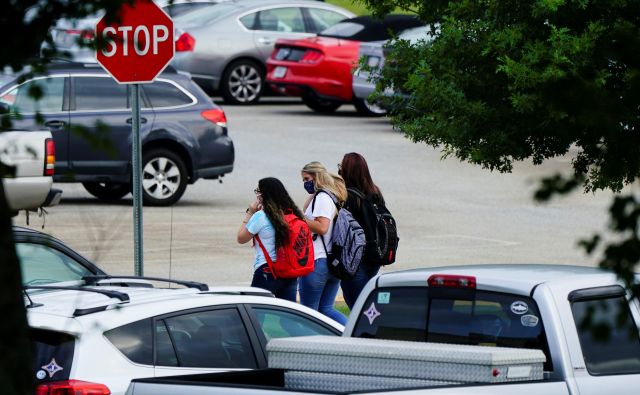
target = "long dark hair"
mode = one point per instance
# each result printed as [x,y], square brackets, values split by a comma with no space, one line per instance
[355,172]
[276,200]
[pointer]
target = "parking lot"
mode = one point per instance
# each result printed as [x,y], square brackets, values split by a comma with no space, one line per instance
[447,212]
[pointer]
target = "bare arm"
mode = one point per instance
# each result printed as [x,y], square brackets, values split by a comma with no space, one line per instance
[244,235]
[319,225]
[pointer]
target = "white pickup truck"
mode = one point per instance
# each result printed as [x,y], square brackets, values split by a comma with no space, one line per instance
[582,320]
[32,156]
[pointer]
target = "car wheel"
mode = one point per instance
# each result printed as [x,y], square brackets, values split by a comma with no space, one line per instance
[242,82]
[107,190]
[368,108]
[164,177]
[321,105]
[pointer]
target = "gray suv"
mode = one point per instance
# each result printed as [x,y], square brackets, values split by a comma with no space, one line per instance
[184,134]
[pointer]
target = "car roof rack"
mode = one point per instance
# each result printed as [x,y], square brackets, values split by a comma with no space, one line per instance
[110,293]
[123,297]
[95,280]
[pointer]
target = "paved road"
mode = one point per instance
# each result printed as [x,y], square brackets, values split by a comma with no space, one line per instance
[448,212]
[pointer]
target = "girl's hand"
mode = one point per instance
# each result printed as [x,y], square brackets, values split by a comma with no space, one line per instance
[255,206]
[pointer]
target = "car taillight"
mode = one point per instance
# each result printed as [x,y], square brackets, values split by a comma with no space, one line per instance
[86,36]
[185,43]
[72,387]
[311,56]
[49,157]
[216,116]
[452,281]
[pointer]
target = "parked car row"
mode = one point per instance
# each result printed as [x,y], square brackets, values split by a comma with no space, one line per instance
[243,48]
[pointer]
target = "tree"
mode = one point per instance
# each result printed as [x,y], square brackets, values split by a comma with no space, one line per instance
[513,80]
[24,24]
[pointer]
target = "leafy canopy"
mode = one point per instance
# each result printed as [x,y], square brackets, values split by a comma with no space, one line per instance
[508,80]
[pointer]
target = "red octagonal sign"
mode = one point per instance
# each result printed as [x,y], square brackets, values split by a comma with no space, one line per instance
[138,45]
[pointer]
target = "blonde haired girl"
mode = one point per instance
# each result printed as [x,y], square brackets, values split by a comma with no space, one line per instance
[318,289]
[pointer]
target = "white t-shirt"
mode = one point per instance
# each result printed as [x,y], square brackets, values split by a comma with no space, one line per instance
[324,207]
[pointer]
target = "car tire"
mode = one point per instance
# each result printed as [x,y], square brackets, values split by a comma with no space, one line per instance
[367,108]
[164,177]
[107,190]
[242,82]
[317,104]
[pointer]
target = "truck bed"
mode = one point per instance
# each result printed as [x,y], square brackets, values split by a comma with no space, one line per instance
[271,381]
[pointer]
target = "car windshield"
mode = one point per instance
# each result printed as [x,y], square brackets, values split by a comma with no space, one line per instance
[205,15]
[42,264]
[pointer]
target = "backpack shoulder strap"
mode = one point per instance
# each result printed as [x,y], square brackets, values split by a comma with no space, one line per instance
[333,198]
[357,193]
[266,256]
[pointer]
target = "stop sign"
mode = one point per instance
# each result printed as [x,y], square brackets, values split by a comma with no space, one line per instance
[138,43]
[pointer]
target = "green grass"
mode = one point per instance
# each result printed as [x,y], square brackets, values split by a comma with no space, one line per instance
[342,307]
[356,7]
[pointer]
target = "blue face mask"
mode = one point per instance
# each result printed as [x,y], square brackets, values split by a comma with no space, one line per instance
[309,187]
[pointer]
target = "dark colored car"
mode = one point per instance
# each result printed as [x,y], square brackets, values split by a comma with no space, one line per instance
[319,69]
[45,259]
[184,134]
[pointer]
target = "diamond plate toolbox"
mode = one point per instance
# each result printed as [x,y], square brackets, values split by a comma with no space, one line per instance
[432,362]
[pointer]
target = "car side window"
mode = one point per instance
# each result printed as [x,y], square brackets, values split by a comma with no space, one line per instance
[134,341]
[608,336]
[51,99]
[277,323]
[249,21]
[41,264]
[322,19]
[287,19]
[211,339]
[163,94]
[99,93]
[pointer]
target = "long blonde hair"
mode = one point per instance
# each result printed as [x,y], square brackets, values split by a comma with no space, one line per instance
[326,181]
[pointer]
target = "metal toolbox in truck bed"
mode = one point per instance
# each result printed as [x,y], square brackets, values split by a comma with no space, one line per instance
[427,362]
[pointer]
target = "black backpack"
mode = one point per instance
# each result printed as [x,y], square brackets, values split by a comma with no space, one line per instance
[380,230]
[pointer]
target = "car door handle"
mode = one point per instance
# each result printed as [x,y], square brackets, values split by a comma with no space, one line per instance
[55,124]
[266,40]
[142,120]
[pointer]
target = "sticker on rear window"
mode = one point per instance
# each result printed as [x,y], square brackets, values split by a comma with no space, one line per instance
[529,320]
[52,367]
[384,297]
[519,307]
[41,375]
[372,313]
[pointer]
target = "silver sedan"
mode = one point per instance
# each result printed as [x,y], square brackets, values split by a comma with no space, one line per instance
[225,46]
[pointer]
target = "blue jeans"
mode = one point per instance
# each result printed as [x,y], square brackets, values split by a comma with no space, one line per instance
[318,291]
[283,288]
[351,288]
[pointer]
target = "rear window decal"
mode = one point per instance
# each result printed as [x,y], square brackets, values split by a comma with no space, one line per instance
[529,320]
[41,375]
[372,313]
[384,297]
[519,307]
[52,367]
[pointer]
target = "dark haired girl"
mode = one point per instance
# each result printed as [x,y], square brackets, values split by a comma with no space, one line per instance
[355,172]
[265,218]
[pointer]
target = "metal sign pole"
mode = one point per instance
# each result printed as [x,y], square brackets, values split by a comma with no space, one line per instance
[136,156]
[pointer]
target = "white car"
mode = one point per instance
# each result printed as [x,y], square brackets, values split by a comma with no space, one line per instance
[95,339]
[32,155]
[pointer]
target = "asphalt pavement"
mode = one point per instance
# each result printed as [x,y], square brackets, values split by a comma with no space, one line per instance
[447,212]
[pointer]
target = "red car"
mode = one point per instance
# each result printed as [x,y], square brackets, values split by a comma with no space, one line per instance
[319,69]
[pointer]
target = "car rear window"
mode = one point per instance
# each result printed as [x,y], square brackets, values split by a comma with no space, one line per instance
[206,15]
[134,340]
[52,355]
[453,316]
[608,336]
[163,94]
